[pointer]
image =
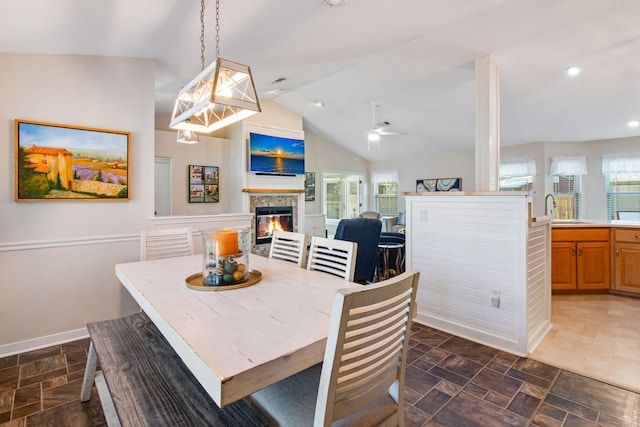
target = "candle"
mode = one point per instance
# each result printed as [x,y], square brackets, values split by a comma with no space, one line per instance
[225,242]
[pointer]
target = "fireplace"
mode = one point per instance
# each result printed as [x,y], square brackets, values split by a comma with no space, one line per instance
[270,219]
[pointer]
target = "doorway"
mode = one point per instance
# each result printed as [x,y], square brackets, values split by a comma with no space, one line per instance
[342,197]
[163,187]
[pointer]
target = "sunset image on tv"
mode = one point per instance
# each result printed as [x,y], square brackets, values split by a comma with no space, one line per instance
[276,155]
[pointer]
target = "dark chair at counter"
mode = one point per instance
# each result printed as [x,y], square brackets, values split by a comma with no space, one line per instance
[366,233]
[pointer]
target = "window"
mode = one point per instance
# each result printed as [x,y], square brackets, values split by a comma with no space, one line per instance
[385,191]
[517,175]
[566,173]
[567,189]
[622,175]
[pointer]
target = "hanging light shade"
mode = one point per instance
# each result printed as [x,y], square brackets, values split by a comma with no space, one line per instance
[187,137]
[222,94]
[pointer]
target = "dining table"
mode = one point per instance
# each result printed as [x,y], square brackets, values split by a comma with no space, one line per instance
[237,340]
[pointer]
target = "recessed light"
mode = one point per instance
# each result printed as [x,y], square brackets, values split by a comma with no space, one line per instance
[333,3]
[319,103]
[633,123]
[573,71]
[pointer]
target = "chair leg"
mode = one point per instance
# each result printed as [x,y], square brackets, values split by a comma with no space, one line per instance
[89,374]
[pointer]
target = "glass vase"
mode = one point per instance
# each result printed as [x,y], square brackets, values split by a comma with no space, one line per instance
[226,256]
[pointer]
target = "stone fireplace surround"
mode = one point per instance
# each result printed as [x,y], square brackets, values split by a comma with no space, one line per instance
[271,198]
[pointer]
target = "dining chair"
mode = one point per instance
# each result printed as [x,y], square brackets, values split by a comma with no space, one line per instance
[337,257]
[288,246]
[361,380]
[165,243]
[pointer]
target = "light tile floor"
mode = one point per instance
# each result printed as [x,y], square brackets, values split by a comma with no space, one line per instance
[595,335]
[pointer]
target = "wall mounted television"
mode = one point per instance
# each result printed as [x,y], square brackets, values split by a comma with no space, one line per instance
[275,155]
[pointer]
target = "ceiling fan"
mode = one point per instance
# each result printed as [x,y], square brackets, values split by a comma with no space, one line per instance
[378,129]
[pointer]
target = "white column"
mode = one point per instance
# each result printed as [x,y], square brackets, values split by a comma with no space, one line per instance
[487,124]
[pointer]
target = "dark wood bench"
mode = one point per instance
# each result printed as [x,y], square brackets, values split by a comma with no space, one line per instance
[148,382]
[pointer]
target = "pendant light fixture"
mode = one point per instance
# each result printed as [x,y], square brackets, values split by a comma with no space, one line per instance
[187,136]
[222,94]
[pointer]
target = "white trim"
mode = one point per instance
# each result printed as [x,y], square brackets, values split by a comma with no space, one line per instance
[79,241]
[191,219]
[42,342]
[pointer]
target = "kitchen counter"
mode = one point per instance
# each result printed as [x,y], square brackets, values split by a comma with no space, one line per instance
[588,223]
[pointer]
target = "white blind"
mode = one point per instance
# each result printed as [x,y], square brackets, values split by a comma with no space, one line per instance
[381,176]
[518,168]
[620,164]
[574,165]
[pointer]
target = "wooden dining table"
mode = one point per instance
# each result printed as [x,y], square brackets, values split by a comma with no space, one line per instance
[237,341]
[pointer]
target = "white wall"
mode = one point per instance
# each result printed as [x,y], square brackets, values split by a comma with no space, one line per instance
[208,152]
[324,156]
[459,164]
[57,258]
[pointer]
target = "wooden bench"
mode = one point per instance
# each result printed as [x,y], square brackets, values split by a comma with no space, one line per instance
[147,381]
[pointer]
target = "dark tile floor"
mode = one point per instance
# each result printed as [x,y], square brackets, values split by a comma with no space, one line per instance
[450,381]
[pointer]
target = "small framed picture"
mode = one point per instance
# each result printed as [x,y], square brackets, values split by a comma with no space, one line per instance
[204,184]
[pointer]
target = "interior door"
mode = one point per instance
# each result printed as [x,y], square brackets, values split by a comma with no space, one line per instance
[163,188]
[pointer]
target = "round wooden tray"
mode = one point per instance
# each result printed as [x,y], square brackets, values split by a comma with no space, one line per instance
[195,282]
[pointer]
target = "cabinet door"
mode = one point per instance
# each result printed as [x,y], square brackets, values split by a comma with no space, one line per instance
[627,260]
[563,265]
[593,265]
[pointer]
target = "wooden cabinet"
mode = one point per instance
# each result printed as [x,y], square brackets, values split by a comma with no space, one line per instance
[627,260]
[580,259]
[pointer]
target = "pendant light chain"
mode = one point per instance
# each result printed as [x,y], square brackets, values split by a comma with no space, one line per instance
[217,29]
[202,34]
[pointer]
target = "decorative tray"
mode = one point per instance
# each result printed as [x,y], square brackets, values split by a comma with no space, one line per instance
[195,282]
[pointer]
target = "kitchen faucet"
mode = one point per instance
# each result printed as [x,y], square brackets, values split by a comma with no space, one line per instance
[546,199]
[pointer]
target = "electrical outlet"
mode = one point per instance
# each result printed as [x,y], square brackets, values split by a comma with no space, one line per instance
[495,298]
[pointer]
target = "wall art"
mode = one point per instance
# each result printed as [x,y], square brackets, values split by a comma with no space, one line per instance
[310,186]
[439,184]
[62,162]
[204,184]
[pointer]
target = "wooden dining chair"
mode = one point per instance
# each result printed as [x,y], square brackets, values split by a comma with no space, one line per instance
[361,381]
[288,246]
[337,257]
[165,243]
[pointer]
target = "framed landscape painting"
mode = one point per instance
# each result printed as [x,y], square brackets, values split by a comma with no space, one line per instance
[56,162]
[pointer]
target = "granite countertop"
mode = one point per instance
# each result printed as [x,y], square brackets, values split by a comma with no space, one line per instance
[590,223]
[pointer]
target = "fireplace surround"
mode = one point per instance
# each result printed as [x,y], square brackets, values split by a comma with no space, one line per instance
[271,199]
[272,218]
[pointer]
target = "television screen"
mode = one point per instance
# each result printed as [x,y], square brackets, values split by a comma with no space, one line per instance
[276,155]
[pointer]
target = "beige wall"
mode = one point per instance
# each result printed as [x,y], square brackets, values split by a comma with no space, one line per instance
[57,258]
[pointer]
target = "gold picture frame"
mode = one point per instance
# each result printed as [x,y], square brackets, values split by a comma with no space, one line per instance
[56,162]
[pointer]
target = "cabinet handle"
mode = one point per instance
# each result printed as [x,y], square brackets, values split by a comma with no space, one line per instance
[617,252]
[637,236]
[573,251]
[580,252]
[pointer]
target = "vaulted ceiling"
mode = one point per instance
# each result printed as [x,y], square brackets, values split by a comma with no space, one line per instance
[415,58]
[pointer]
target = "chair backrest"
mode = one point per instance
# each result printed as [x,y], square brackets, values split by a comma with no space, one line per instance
[401,219]
[366,233]
[332,256]
[288,246]
[165,243]
[370,214]
[366,349]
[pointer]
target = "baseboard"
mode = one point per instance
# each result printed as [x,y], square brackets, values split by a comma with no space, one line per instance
[42,342]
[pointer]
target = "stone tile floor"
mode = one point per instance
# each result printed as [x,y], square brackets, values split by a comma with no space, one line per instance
[450,381]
